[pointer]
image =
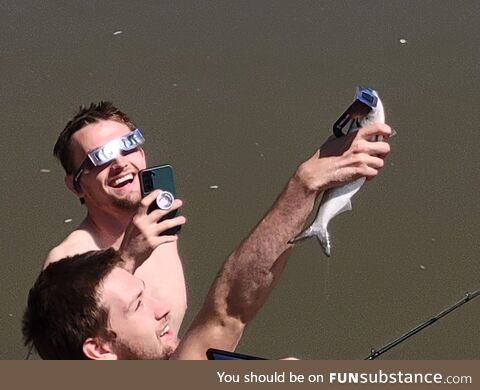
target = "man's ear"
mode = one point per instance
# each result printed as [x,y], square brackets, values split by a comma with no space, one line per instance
[97,349]
[71,186]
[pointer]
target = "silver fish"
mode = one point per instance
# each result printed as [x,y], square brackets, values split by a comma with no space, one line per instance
[338,200]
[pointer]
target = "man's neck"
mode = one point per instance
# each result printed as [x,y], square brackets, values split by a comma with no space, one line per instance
[107,226]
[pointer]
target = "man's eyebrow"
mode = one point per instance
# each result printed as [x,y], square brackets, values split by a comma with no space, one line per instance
[129,307]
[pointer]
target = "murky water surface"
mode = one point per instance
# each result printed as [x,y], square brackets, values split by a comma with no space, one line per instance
[235,95]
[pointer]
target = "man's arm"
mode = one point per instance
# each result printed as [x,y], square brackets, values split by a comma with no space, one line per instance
[141,238]
[249,274]
[162,272]
[142,235]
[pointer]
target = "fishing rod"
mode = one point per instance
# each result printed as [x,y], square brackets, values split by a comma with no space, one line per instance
[376,353]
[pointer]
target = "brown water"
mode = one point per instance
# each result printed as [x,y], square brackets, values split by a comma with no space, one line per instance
[237,94]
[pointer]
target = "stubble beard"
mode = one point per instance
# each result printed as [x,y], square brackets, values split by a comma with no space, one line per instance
[129,203]
[125,351]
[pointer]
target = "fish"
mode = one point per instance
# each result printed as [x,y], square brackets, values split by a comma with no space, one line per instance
[337,200]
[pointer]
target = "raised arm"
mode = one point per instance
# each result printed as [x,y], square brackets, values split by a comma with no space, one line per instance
[249,274]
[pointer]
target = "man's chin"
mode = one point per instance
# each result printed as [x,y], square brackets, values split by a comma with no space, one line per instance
[126,352]
[129,203]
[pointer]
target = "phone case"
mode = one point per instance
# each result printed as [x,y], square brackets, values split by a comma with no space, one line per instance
[154,178]
[159,177]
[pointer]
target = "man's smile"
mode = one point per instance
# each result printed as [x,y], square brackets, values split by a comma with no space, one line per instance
[124,182]
[121,180]
[165,331]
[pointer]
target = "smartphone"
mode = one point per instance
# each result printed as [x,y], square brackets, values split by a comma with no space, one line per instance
[218,354]
[159,178]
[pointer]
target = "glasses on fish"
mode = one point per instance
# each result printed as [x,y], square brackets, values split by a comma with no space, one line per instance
[363,103]
[109,152]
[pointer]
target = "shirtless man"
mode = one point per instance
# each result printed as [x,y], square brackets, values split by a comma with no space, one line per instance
[106,313]
[108,185]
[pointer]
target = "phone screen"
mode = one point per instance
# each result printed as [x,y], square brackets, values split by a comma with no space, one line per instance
[218,354]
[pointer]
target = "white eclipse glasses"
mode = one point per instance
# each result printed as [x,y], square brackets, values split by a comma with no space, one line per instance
[109,152]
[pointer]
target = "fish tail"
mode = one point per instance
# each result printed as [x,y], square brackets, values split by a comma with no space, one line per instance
[324,239]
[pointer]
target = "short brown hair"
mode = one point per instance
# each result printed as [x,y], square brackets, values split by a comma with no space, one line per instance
[85,116]
[63,308]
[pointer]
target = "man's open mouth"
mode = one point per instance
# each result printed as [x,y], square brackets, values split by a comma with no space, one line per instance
[122,181]
[165,331]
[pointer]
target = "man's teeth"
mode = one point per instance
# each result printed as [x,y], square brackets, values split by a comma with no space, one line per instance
[123,179]
[165,330]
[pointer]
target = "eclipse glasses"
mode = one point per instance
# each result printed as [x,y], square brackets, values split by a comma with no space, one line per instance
[363,103]
[109,152]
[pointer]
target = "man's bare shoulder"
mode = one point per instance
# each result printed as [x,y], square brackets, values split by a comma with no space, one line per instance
[79,241]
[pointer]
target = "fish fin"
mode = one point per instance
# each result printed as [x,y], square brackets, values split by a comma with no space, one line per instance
[307,233]
[346,207]
[322,235]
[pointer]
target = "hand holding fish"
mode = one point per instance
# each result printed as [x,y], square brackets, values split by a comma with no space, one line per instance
[346,161]
[342,160]
[356,154]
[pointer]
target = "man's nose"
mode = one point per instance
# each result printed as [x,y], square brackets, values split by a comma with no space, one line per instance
[159,308]
[120,161]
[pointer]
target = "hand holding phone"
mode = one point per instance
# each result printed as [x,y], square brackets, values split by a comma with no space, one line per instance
[147,231]
[160,177]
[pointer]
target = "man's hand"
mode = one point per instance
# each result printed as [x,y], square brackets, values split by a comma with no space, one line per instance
[142,236]
[344,159]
